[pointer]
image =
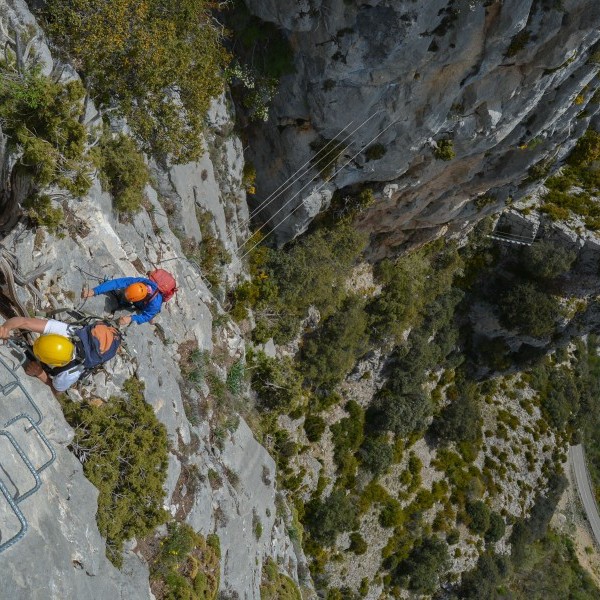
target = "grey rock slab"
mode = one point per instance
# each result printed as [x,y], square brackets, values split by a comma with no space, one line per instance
[61,556]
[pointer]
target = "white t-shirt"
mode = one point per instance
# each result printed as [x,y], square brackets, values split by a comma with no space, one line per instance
[63,381]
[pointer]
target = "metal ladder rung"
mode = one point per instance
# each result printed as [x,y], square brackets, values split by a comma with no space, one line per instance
[17,511]
[13,385]
[38,482]
[40,433]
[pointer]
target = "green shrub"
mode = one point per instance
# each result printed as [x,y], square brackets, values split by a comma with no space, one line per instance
[376,455]
[402,406]
[276,382]
[347,435]
[346,207]
[40,210]
[235,377]
[265,55]
[314,426]
[126,454]
[358,545]
[478,517]
[402,298]
[546,260]
[425,564]
[586,151]
[311,271]
[187,566]
[375,152]
[453,537]
[329,354]
[123,171]
[160,62]
[460,421]
[42,118]
[517,43]
[325,519]
[327,153]
[529,310]
[391,514]
[276,585]
[444,150]
[581,171]
[496,528]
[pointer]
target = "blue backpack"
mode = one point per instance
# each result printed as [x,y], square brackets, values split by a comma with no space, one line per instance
[99,342]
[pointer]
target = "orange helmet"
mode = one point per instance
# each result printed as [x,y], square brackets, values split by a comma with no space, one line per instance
[136,292]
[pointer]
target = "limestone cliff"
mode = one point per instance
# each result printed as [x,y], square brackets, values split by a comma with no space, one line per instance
[503,84]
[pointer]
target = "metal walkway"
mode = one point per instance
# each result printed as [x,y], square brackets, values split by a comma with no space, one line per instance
[514,228]
[30,450]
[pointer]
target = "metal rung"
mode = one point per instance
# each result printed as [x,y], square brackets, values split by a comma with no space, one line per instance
[38,482]
[42,437]
[17,511]
[11,386]
[506,239]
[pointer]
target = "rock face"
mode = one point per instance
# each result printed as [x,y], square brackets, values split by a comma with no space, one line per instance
[62,555]
[509,84]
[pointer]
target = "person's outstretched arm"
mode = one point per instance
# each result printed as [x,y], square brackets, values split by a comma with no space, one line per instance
[27,323]
[117,284]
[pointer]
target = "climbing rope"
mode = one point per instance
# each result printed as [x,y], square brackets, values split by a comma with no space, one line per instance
[296,176]
[303,201]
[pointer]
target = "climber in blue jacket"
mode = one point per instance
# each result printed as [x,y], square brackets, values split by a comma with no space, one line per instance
[139,292]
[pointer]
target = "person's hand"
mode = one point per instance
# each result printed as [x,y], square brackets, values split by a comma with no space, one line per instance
[33,368]
[124,320]
[4,331]
[87,293]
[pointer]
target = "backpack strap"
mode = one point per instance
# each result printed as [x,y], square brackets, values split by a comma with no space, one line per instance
[152,296]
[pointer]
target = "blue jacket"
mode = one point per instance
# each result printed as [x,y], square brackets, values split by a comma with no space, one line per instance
[147,310]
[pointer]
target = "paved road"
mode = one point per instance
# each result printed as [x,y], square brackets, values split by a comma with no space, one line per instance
[584,487]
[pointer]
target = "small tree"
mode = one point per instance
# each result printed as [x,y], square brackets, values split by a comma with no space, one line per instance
[425,564]
[460,421]
[329,354]
[496,528]
[336,514]
[123,171]
[376,455]
[126,454]
[531,311]
[478,516]
[276,382]
[314,426]
[357,543]
[546,260]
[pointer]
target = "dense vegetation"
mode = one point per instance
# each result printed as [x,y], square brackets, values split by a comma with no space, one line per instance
[419,318]
[572,192]
[276,585]
[123,171]
[160,63]
[124,451]
[42,121]
[285,284]
[186,566]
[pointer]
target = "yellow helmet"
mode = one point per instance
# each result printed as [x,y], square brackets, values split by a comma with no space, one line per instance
[54,350]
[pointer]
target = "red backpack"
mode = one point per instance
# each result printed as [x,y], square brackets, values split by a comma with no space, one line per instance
[167,286]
